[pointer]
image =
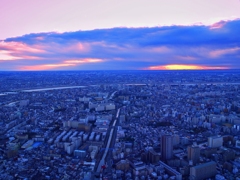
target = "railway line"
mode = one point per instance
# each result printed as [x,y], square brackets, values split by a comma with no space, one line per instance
[110,138]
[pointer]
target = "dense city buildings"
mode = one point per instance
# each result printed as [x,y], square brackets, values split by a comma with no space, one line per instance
[120,125]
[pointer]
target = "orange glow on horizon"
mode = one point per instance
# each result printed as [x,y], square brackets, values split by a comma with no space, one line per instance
[184,67]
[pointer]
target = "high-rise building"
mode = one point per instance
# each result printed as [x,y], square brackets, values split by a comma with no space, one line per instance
[123,165]
[153,157]
[80,153]
[150,156]
[176,140]
[193,154]
[237,144]
[203,171]
[12,150]
[215,141]
[70,148]
[166,147]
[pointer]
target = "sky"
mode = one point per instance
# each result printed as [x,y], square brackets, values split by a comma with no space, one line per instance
[118,35]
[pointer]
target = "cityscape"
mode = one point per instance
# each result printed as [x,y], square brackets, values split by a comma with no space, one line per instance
[120,125]
[120,90]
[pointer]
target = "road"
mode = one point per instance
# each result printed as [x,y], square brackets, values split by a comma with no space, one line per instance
[53,88]
[109,141]
[111,96]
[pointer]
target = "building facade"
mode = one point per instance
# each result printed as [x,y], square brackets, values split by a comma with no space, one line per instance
[166,147]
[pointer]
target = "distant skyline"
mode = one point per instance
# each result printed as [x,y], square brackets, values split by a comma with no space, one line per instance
[117,35]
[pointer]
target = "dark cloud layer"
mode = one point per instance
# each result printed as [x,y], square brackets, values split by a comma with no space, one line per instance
[125,48]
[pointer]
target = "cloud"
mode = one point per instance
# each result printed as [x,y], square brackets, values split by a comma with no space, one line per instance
[44,67]
[6,56]
[217,45]
[64,64]
[19,47]
[218,25]
[221,52]
[82,61]
[186,58]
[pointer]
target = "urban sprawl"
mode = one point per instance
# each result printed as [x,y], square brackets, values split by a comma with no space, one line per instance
[120,125]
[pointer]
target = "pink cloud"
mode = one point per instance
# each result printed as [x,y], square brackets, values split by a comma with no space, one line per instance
[74,47]
[220,52]
[217,25]
[44,67]
[19,47]
[83,61]
[161,49]
[6,56]
[40,38]
[66,63]
[17,51]
[188,58]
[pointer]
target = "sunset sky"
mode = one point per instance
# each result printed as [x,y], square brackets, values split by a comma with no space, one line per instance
[118,35]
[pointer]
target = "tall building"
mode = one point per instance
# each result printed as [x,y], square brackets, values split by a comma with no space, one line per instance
[176,140]
[80,153]
[150,156]
[123,165]
[166,147]
[203,171]
[12,150]
[215,141]
[193,154]
[237,144]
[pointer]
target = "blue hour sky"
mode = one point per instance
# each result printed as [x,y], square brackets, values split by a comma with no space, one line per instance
[117,35]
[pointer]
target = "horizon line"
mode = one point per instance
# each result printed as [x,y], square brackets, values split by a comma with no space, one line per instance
[121,70]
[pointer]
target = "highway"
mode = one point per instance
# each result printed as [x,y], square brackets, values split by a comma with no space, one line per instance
[53,88]
[102,161]
[111,96]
